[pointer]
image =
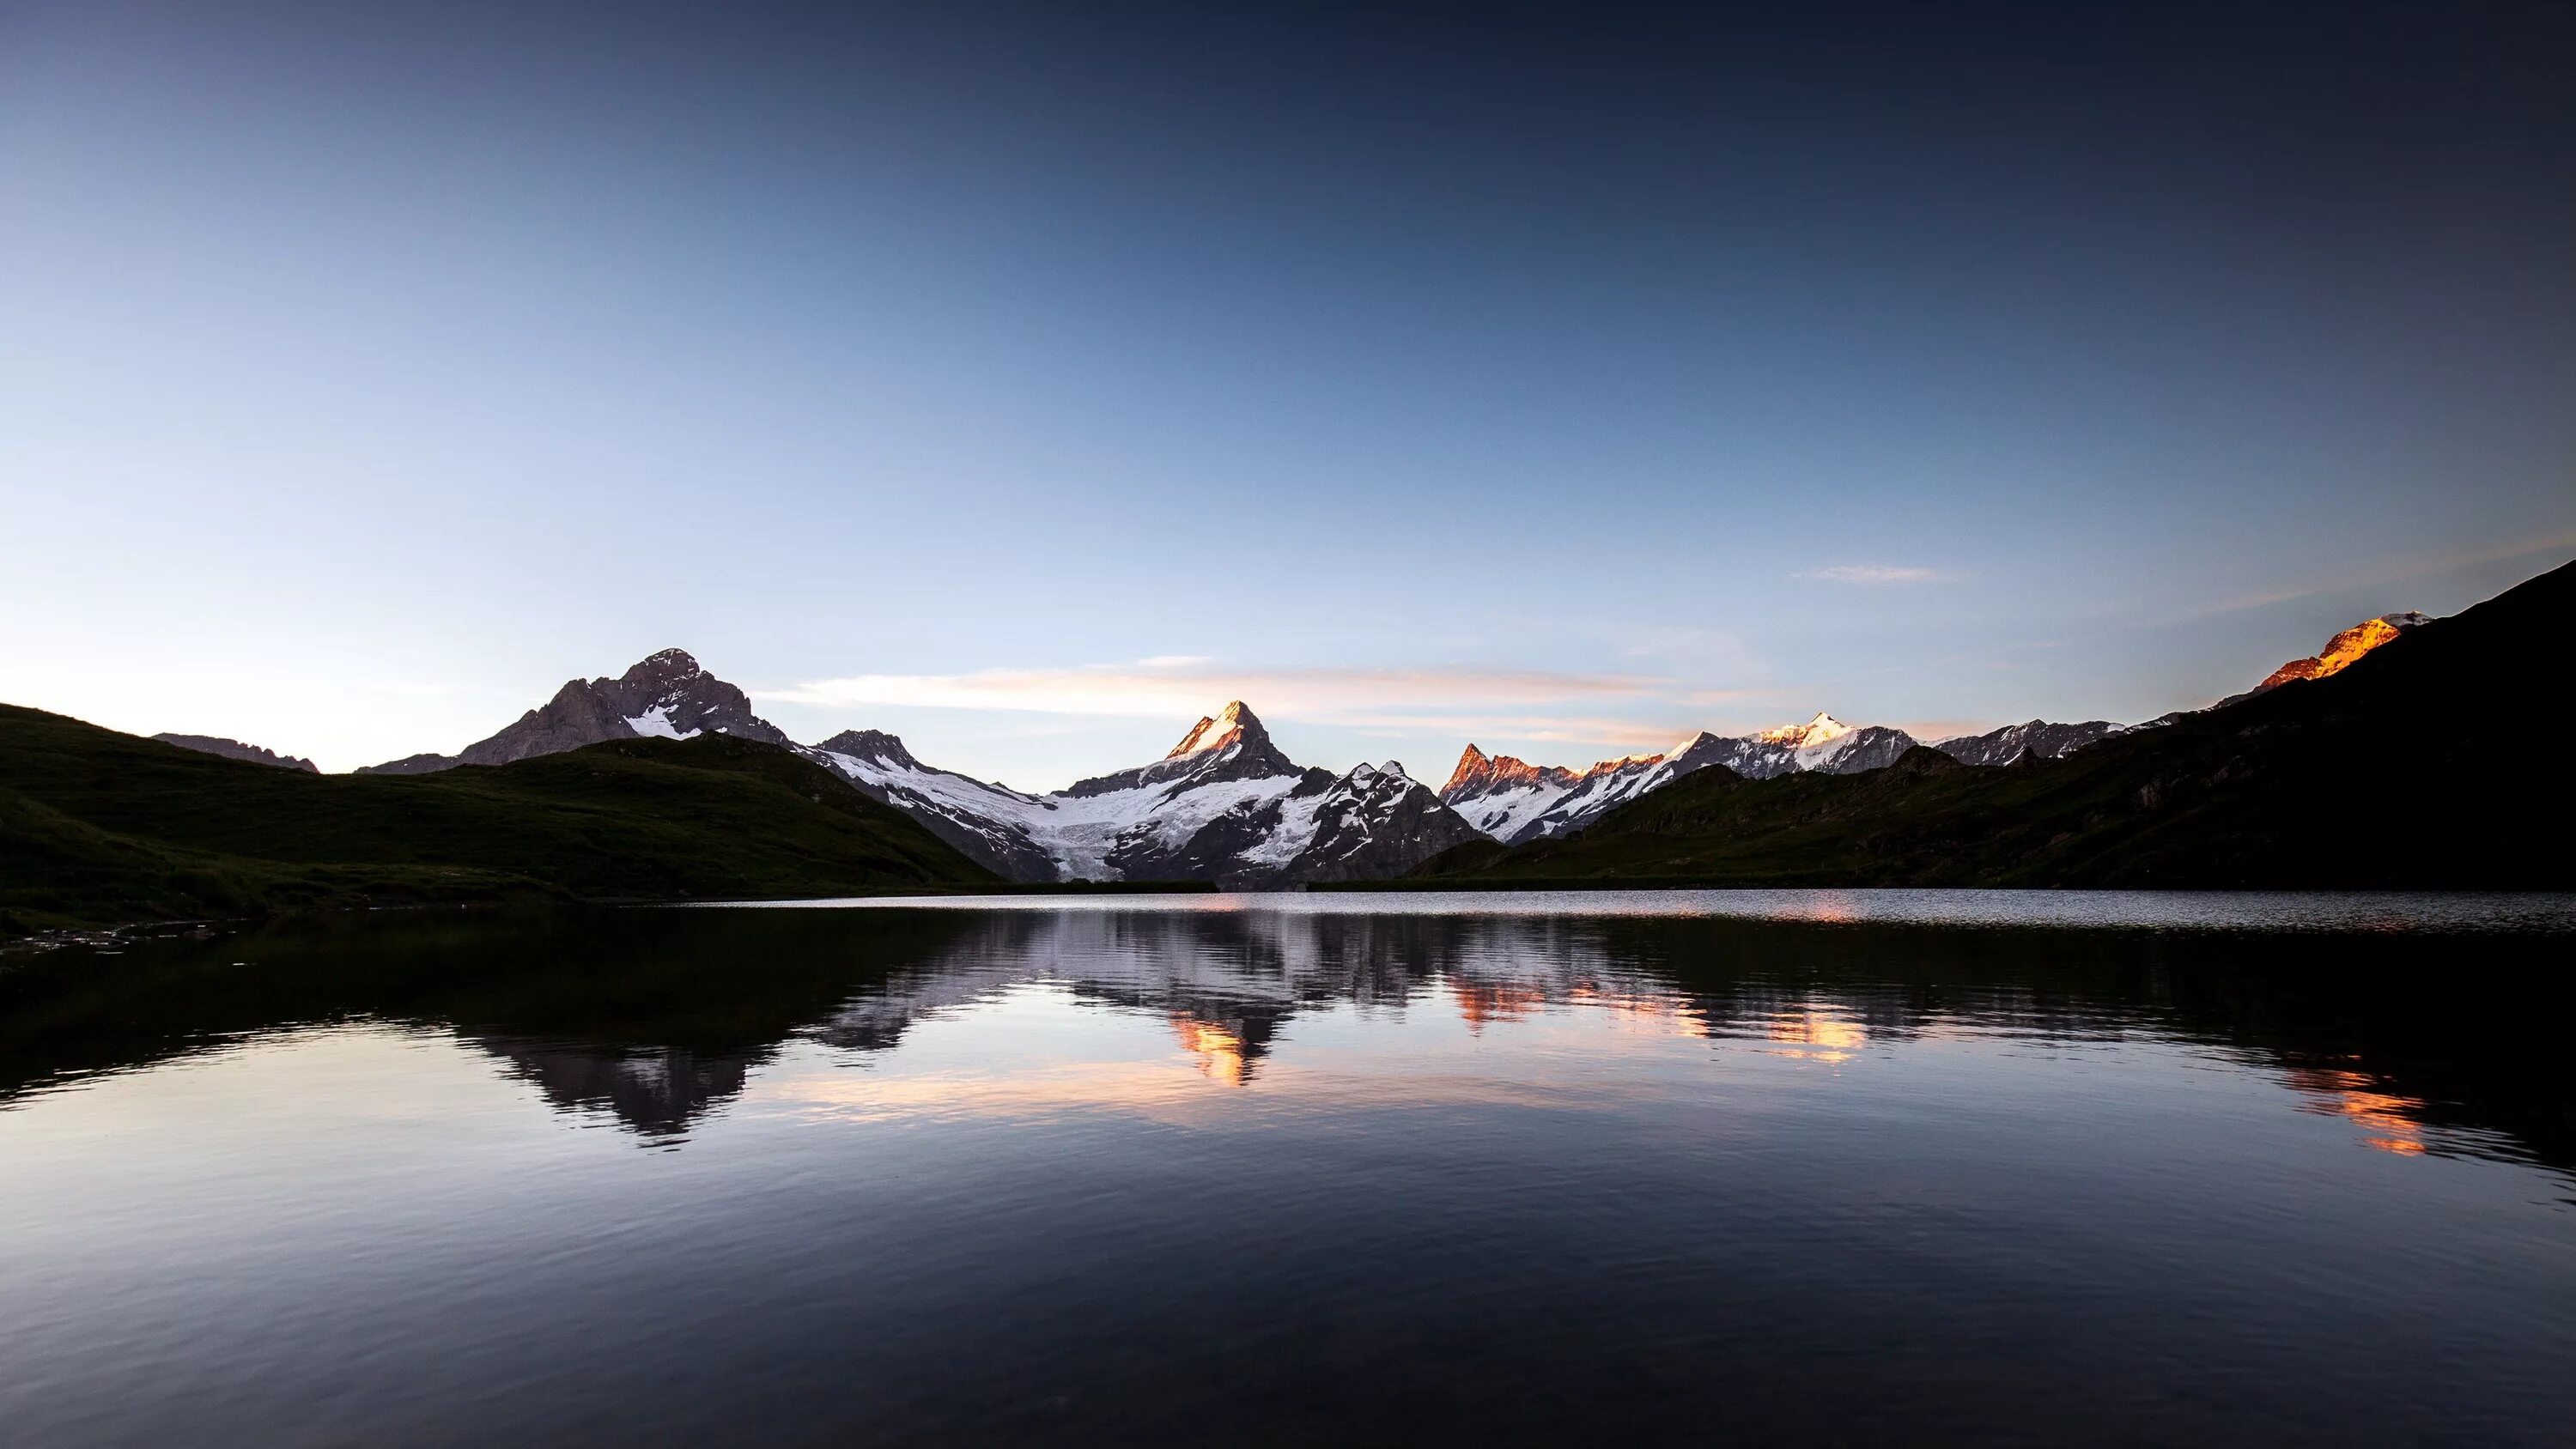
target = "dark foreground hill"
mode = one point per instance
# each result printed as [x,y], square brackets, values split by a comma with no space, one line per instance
[2426,764]
[99,827]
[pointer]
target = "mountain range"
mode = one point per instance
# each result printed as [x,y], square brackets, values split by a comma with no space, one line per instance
[1516,803]
[671,786]
[1513,802]
[2370,767]
[1225,805]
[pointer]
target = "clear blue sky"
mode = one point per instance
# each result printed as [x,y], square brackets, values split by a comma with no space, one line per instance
[1564,380]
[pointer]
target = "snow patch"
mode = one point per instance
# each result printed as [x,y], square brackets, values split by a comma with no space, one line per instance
[656,723]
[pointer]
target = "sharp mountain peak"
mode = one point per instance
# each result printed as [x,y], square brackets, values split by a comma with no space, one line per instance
[1230,725]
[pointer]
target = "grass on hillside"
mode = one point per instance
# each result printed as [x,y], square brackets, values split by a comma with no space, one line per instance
[98,827]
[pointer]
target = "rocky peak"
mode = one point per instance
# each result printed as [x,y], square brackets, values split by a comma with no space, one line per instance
[665,695]
[1479,774]
[1817,731]
[1228,745]
[875,745]
[1473,766]
[1233,724]
[670,664]
[2344,648]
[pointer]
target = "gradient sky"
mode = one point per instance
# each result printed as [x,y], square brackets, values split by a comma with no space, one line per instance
[1030,383]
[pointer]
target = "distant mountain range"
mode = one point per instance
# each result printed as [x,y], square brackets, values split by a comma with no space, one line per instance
[1226,805]
[2373,765]
[236,750]
[2038,738]
[1514,802]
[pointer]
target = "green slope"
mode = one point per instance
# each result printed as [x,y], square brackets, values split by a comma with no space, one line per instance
[2441,760]
[97,827]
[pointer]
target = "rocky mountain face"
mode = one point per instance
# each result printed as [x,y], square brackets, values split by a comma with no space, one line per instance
[1226,747]
[1224,805]
[2039,739]
[1500,794]
[1514,802]
[667,695]
[1481,774]
[2344,649]
[236,750]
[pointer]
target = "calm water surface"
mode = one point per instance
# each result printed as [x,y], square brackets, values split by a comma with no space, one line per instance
[1825,1167]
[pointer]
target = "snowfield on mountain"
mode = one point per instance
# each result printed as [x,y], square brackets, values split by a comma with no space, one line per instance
[1224,805]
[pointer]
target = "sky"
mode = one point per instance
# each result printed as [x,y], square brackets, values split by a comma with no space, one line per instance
[1031,380]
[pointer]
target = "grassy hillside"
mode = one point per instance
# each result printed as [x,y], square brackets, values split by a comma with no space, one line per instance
[97,826]
[2437,761]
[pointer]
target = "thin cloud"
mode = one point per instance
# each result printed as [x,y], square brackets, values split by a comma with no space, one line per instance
[1185,686]
[1591,716]
[1875,574]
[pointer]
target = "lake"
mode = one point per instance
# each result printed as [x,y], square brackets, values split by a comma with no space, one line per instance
[1823,1167]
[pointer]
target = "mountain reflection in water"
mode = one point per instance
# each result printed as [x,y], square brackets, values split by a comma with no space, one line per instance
[658,1018]
[1847,1168]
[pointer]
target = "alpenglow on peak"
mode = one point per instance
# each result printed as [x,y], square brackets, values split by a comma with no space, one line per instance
[1817,731]
[1227,726]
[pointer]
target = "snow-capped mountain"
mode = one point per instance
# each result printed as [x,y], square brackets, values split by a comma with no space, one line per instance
[989,822]
[1499,794]
[2041,737]
[1516,802]
[1224,805]
[666,695]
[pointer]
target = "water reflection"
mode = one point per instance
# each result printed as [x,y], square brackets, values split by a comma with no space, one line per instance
[656,1020]
[1112,1175]
[2391,1123]
[657,1092]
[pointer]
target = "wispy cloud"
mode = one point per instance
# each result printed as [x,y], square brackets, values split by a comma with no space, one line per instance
[1184,686]
[1875,574]
[1592,714]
